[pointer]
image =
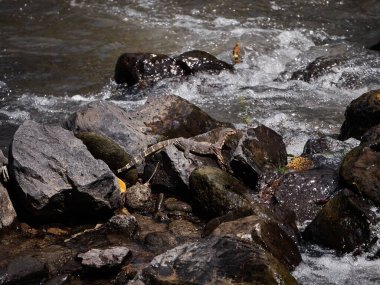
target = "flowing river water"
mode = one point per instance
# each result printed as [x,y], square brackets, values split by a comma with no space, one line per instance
[57,55]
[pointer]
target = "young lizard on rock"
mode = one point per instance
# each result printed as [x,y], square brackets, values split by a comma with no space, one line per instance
[187,146]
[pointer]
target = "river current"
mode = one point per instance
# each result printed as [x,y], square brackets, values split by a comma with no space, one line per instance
[57,55]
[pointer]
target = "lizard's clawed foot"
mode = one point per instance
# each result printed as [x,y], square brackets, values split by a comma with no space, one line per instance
[4,173]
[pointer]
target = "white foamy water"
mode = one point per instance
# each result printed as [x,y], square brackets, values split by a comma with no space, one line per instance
[330,269]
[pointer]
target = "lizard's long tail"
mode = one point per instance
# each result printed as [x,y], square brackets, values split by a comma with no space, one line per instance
[148,151]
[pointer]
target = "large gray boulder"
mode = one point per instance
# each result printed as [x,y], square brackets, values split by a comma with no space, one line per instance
[110,120]
[7,212]
[56,178]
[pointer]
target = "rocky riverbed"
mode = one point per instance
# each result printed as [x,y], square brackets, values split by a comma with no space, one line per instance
[237,213]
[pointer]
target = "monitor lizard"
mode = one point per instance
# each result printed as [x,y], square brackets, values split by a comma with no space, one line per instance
[187,145]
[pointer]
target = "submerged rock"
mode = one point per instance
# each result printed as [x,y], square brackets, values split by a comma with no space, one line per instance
[57,179]
[158,242]
[7,212]
[362,114]
[360,170]
[342,224]
[147,68]
[216,260]
[24,270]
[320,66]
[264,232]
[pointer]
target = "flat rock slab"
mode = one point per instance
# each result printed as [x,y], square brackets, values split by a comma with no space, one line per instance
[56,178]
[105,258]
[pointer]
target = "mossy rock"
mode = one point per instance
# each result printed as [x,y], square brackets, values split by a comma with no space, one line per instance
[104,148]
[216,192]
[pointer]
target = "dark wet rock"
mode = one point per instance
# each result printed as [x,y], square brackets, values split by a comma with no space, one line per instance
[327,152]
[175,209]
[7,212]
[362,114]
[24,270]
[303,192]
[115,156]
[184,230]
[105,259]
[139,198]
[113,122]
[132,68]
[148,225]
[334,67]
[216,192]
[343,223]
[320,66]
[125,224]
[199,61]
[372,135]
[57,179]
[171,116]
[173,204]
[360,170]
[158,242]
[53,255]
[216,260]
[259,149]
[255,230]
[147,68]
[283,217]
